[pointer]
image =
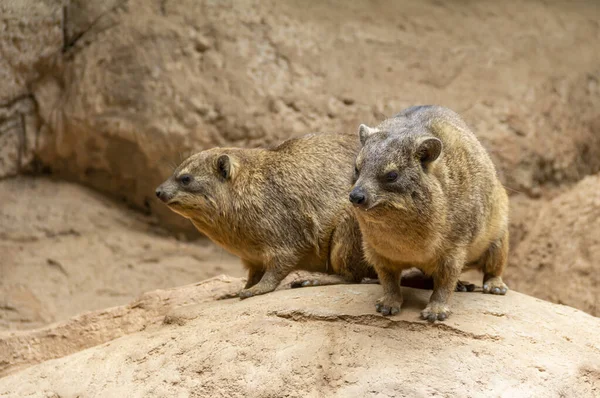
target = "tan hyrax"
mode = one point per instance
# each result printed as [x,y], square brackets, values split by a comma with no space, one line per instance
[427,196]
[278,209]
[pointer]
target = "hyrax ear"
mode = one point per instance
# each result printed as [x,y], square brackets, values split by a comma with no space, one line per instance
[364,132]
[226,167]
[429,150]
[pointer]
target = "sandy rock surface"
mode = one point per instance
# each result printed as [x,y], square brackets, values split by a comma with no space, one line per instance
[66,250]
[329,340]
[19,349]
[558,259]
[30,39]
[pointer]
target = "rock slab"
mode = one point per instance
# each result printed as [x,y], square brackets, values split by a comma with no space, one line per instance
[328,341]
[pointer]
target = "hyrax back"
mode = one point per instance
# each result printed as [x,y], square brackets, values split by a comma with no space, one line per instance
[278,209]
[427,195]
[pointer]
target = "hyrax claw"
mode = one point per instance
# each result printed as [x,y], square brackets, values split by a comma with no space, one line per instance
[495,285]
[435,312]
[388,306]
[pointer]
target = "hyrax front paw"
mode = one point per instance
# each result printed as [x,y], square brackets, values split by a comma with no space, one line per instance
[256,290]
[435,312]
[495,285]
[388,305]
[245,293]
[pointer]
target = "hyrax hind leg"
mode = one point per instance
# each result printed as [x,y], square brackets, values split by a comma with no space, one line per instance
[492,264]
[346,251]
[345,263]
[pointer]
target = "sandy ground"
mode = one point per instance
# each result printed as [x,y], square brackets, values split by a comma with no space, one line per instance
[323,341]
[66,250]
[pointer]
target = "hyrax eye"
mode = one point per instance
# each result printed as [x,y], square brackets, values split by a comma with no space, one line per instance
[185,179]
[391,176]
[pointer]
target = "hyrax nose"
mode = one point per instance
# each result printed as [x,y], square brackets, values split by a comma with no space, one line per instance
[357,196]
[162,195]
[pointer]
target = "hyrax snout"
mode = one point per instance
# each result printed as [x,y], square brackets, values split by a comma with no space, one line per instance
[426,195]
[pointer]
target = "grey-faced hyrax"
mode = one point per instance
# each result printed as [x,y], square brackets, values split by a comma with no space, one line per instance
[427,195]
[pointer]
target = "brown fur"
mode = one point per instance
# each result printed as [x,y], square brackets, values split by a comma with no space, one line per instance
[446,207]
[278,209]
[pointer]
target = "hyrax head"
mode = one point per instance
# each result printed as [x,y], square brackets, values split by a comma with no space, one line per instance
[392,165]
[200,185]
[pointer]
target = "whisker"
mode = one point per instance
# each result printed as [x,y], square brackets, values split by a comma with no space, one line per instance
[173,165]
[512,189]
